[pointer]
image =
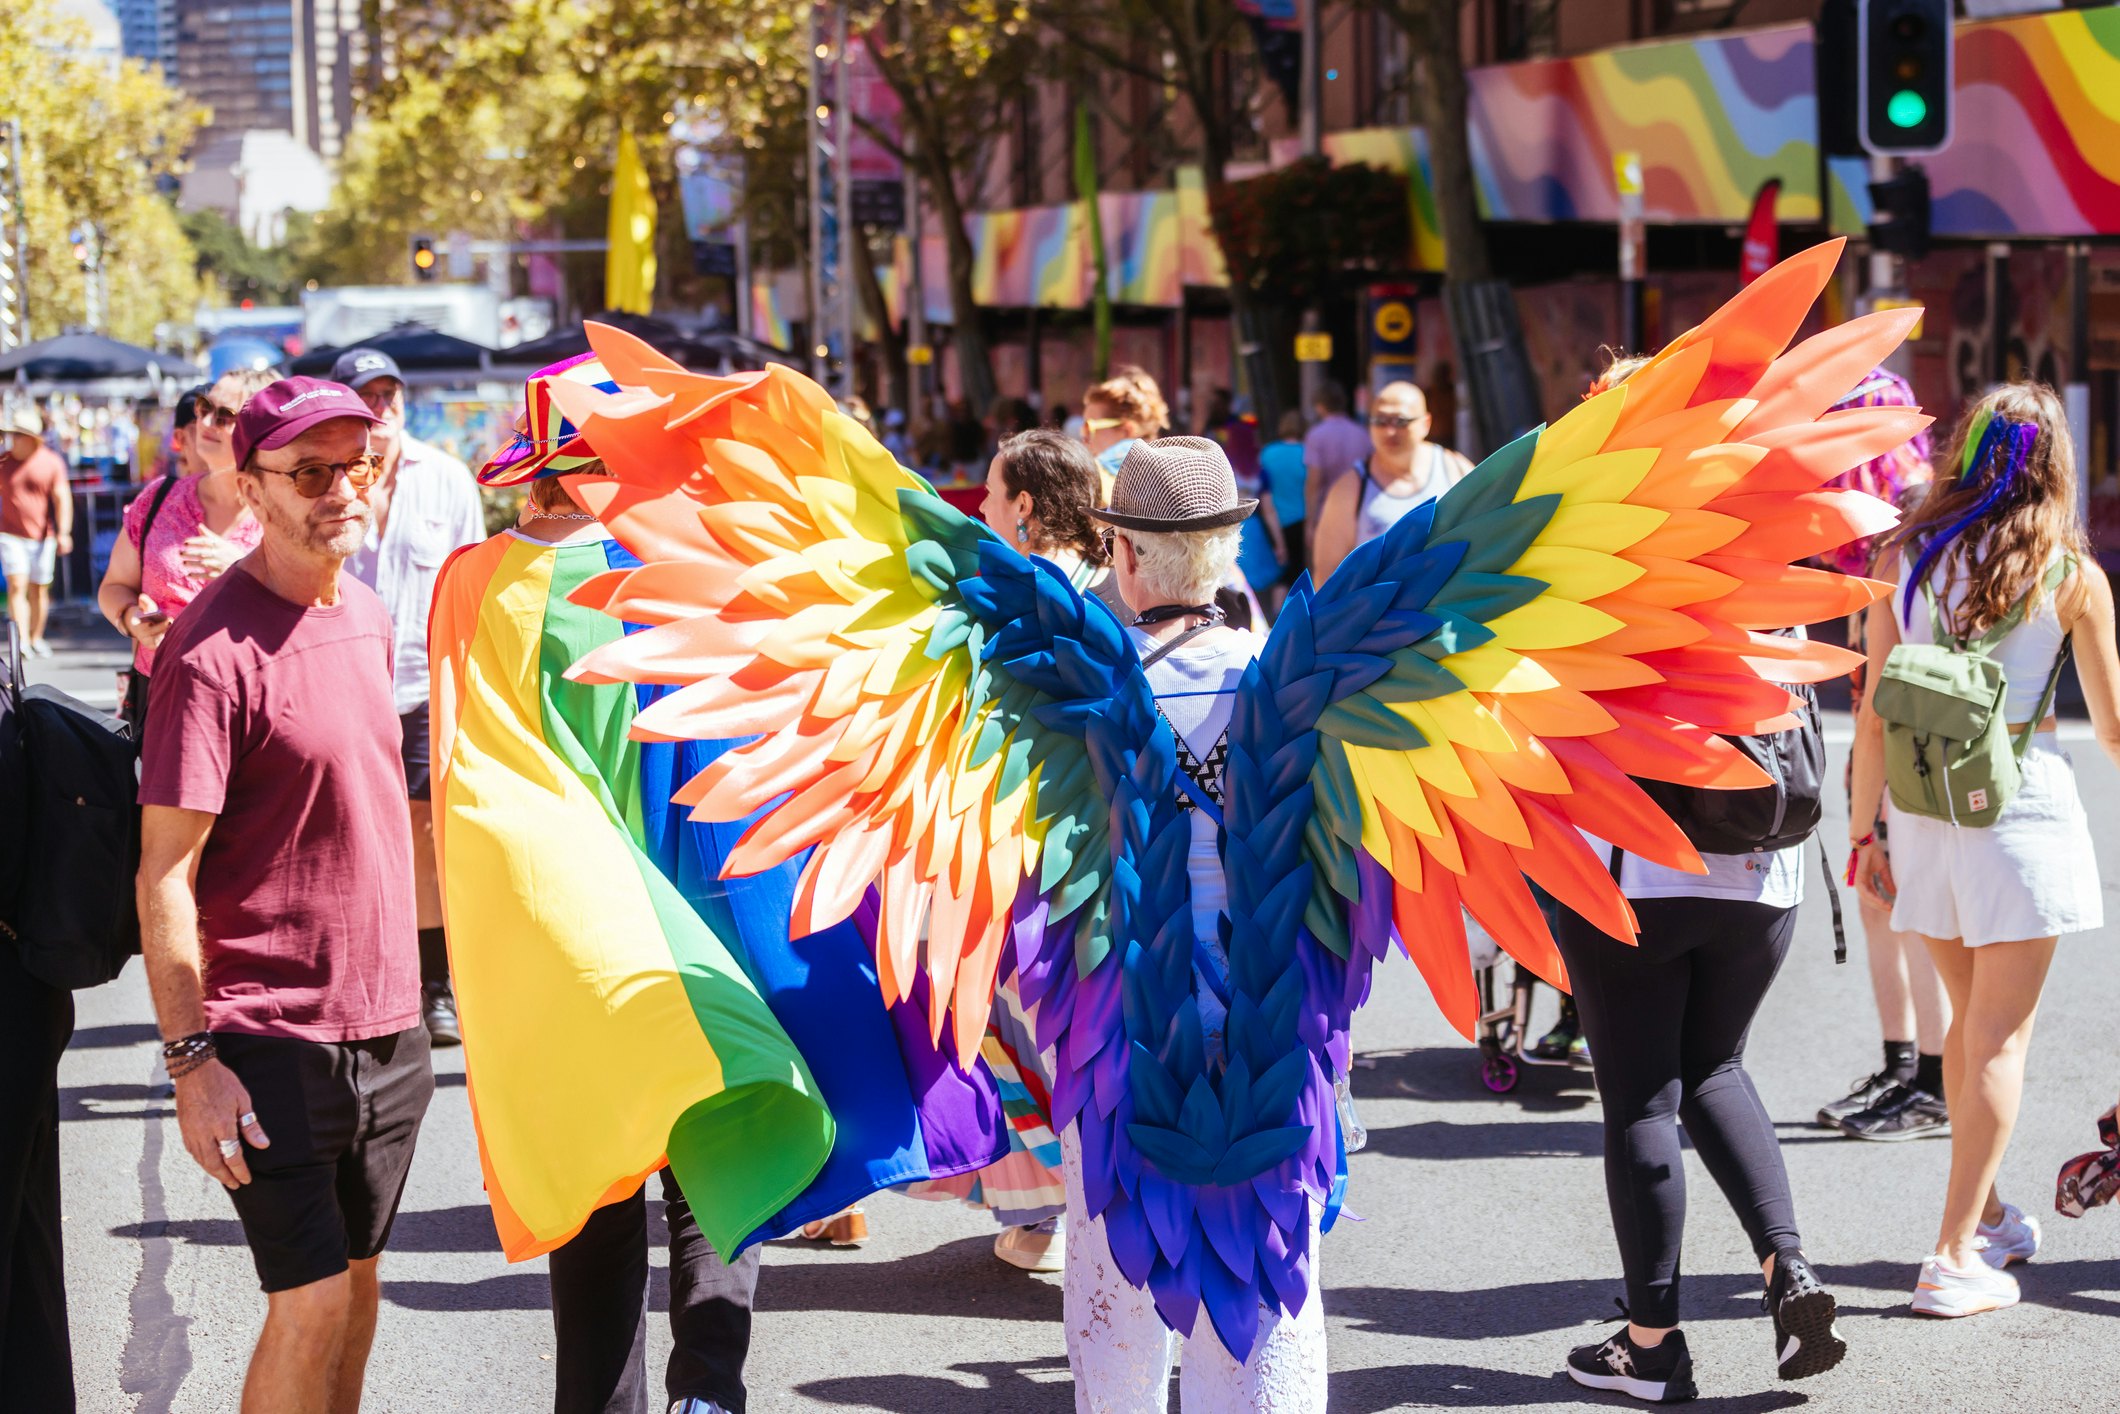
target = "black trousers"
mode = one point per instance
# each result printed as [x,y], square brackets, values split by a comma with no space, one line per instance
[600,1311]
[1667,1022]
[36,1361]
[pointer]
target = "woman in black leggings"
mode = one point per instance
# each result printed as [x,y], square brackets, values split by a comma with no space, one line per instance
[1666,1021]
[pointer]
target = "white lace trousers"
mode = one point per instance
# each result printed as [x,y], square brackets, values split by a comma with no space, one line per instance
[1121,1352]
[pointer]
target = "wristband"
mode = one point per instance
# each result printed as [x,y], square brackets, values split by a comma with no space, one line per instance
[188,1053]
[1855,853]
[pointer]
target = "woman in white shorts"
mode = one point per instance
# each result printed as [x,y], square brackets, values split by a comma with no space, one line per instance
[1991,903]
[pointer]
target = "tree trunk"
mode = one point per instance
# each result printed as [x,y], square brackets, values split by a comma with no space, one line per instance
[889,340]
[1433,26]
[975,367]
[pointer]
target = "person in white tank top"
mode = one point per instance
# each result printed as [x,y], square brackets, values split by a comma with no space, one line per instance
[1405,471]
[1990,903]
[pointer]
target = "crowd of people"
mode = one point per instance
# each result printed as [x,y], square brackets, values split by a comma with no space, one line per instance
[278,590]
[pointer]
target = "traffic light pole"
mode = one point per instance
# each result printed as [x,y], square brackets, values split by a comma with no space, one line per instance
[1887,273]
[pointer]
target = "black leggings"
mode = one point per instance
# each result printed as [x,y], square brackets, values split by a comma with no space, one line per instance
[600,1311]
[1666,1022]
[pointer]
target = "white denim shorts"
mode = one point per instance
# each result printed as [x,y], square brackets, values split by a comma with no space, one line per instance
[22,558]
[2031,874]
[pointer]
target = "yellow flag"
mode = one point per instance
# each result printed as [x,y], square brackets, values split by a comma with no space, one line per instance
[629,266]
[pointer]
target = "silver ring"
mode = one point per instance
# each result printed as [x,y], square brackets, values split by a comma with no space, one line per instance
[230,1148]
[247,1118]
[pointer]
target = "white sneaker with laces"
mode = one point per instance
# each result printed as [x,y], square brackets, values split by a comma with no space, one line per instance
[2014,1239]
[1949,1291]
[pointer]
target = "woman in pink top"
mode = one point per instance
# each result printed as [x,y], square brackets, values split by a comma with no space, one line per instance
[200,528]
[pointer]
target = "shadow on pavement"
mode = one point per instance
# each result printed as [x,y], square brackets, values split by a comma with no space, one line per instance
[1469,1387]
[956,1279]
[77,1102]
[465,1229]
[1498,1139]
[1452,1073]
[2063,1286]
[1576,1305]
[131,1033]
[1027,1385]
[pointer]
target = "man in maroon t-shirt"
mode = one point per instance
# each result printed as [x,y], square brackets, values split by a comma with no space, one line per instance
[276,896]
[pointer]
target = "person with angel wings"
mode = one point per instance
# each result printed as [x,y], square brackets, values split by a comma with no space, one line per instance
[1190,863]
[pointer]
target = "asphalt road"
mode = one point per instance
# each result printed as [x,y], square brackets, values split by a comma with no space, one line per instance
[1481,1254]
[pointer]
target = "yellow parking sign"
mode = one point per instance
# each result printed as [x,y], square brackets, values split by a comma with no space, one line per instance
[1313,348]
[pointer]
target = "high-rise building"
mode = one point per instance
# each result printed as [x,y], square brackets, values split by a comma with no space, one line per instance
[237,58]
[149,28]
[293,66]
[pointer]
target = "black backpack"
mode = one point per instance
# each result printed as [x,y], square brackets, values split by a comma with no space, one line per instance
[69,833]
[1765,817]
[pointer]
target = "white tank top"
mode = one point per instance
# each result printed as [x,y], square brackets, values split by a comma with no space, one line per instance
[1381,510]
[2026,654]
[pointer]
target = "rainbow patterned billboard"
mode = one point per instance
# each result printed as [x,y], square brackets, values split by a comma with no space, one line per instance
[1712,119]
[2036,129]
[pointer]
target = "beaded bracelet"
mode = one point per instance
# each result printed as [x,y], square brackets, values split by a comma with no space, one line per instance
[187,1053]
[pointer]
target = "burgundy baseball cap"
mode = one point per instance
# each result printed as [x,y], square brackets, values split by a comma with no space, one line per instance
[280,412]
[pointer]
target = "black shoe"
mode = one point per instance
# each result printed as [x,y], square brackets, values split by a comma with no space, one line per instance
[439,1012]
[1867,1092]
[1805,1339]
[1902,1112]
[1663,1375]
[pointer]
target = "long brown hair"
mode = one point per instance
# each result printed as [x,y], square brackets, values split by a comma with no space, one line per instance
[2002,556]
[1063,484]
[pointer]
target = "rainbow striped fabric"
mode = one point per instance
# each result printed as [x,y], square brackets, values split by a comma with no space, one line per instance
[621,1005]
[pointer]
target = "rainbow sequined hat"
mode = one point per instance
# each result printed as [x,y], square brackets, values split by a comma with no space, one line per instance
[547,444]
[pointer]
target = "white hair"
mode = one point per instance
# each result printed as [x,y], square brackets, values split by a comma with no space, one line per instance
[1185,566]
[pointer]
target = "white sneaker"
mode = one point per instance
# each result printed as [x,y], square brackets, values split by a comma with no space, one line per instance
[1948,1291]
[2014,1239]
[40,649]
[1041,1247]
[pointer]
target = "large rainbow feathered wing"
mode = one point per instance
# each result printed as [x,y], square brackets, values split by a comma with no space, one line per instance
[951,724]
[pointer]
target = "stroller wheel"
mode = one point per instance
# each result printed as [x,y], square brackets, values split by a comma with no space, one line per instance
[1499,1073]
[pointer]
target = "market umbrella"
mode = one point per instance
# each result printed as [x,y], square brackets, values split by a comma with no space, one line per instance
[416,348]
[78,356]
[706,353]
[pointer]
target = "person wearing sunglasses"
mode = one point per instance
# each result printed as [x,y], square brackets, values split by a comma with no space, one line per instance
[180,534]
[275,894]
[426,505]
[1404,471]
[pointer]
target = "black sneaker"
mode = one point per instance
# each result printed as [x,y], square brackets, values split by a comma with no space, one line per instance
[1902,1112]
[1663,1375]
[1553,1046]
[439,1012]
[1806,1341]
[1867,1092]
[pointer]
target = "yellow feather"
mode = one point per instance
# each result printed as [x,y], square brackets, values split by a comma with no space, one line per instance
[840,693]
[1576,574]
[1607,476]
[1390,779]
[1493,668]
[1579,435]
[807,638]
[1550,622]
[1609,529]
[753,531]
[832,505]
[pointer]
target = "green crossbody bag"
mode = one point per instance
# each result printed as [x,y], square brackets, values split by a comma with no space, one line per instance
[1948,753]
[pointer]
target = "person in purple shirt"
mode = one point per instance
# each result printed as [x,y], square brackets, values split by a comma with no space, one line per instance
[1333,447]
[275,896]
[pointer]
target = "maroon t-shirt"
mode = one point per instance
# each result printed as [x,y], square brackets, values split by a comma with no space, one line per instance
[278,719]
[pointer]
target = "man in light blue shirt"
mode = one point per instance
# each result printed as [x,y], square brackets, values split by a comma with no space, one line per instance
[426,505]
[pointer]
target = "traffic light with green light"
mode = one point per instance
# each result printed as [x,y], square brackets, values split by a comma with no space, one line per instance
[1904,74]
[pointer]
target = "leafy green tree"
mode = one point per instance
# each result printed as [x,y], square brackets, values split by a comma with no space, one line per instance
[239,270]
[96,141]
[953,65]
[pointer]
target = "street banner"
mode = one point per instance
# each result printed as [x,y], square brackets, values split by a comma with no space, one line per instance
[629,264]
[1762,236]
